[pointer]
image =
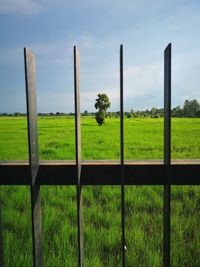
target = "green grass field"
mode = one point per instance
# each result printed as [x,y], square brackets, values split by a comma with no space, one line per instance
[101,205]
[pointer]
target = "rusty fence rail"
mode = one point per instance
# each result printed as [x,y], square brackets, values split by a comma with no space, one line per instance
[35,173]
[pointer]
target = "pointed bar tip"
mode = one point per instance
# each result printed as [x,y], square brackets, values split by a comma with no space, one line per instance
[76,51]
[28,51]
[25,50]
[168,47]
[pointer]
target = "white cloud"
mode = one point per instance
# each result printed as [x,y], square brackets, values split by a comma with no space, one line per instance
[185,76]
[28,7]
[143,86]
[142,79]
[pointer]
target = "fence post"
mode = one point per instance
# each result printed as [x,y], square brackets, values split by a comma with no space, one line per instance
[78,154]
[1,234]
[122,157]
[167,154]
[29,60]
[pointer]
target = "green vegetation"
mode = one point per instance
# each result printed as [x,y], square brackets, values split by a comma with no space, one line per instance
[102,104]
[143,140]
[190,109]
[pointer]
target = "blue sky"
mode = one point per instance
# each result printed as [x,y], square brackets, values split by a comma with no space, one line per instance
[98,27]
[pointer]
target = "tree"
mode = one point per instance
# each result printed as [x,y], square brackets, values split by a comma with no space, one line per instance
[102,104]
[17,114]
[190,108]
[197,113]
[85,113]
[177,112]
[153,112]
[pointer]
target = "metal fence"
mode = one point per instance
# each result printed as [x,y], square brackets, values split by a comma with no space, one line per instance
[79,173]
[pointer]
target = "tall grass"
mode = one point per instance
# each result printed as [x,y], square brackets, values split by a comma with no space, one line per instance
[101,204]
[143,138]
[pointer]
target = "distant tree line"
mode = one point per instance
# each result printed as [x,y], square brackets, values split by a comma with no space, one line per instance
[190,109]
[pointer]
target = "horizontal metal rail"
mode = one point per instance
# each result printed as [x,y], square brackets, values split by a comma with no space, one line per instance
[183,172]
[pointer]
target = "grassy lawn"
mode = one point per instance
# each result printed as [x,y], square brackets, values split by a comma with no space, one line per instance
[143,138]
[101,205]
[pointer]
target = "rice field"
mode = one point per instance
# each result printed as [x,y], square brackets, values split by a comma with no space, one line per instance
[101,204]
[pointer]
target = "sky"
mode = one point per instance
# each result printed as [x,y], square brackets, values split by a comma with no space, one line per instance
[98,27]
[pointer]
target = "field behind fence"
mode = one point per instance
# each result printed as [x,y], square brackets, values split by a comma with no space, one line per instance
[141,218]
[143,138]
[101,204]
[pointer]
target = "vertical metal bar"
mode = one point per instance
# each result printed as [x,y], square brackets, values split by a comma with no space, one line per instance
[122,157]
[167,154]
[1,235]
[29,60]
[78,154]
